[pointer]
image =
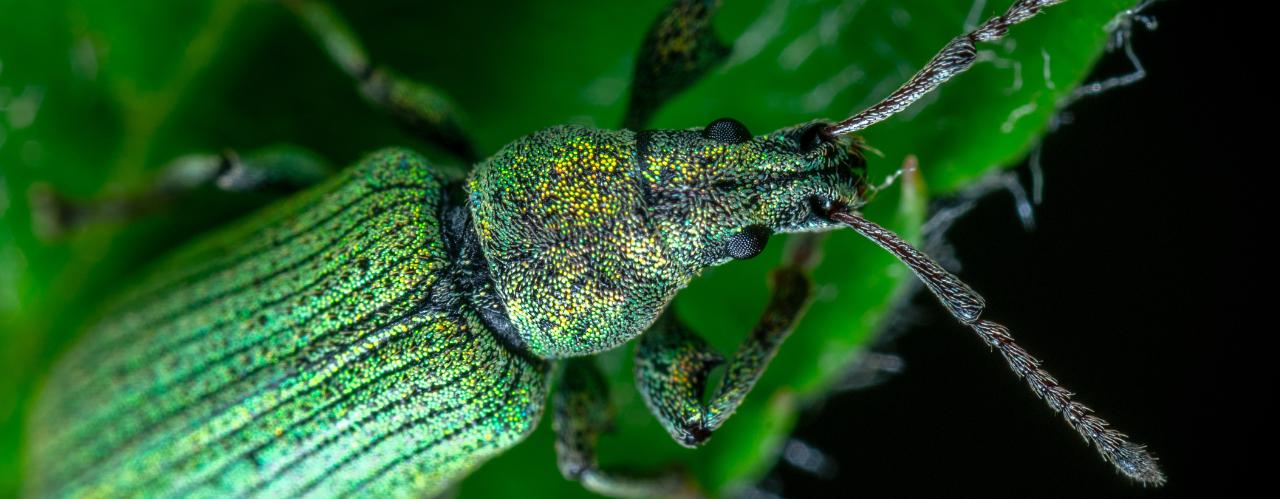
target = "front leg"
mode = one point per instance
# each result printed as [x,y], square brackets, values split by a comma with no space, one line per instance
[678,50]
[672,362]
[581,413]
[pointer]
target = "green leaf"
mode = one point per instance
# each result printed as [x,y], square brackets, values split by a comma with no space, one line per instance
[127,85]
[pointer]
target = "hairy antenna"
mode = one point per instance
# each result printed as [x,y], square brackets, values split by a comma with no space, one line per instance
[954,59]
[966,305]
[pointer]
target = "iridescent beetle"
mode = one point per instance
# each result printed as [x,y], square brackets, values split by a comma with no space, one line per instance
[388,331]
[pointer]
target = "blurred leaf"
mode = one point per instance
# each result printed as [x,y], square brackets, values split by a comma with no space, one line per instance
[127,85]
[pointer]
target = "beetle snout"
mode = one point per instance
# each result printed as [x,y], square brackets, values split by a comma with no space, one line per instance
[695,435]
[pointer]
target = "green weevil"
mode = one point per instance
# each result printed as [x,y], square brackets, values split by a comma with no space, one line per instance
[388,330]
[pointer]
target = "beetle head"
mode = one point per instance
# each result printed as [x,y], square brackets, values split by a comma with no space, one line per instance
[717,193]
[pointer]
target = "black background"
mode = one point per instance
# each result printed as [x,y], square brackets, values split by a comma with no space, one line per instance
[1135,289]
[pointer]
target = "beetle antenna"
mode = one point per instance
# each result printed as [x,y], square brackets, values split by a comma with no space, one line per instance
[966,305]
[954,59]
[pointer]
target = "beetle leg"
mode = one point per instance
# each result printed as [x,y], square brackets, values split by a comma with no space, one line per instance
[672,361]
[424,112]
[581,413]
[677,51]
[272,170]
[283,169]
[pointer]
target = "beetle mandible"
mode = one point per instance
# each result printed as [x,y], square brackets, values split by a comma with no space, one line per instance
[393,361]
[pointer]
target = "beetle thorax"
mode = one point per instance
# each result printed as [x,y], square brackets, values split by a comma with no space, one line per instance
[568,240]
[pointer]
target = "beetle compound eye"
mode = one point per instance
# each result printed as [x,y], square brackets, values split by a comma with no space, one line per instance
[748,243]
[727,130]
[811,137]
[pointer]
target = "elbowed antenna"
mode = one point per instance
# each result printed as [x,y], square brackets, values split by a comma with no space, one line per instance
[966,305]
[963,303]
[954,59]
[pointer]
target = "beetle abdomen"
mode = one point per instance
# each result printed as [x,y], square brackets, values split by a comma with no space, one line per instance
[318,348]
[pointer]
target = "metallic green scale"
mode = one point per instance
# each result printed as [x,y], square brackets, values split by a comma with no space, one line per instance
[318,349]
